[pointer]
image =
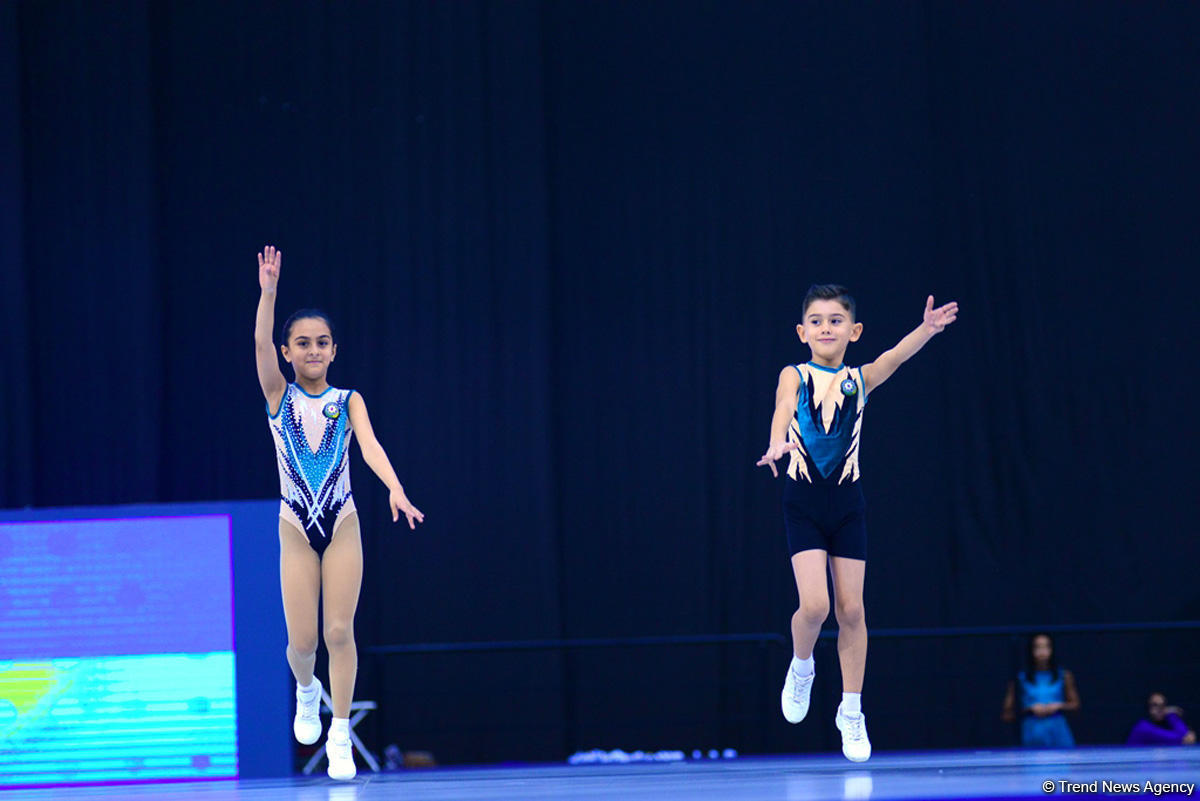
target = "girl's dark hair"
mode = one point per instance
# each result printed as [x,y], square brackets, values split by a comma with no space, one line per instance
[828,292]
[1031,665]
[304,314]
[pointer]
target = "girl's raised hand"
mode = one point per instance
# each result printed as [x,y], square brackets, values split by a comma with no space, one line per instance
[776,452]
[269,261]
[400,503]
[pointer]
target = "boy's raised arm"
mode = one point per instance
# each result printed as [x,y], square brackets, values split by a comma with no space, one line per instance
[934,323]
[270,378]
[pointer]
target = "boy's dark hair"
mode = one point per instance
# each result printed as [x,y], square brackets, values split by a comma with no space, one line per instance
[828,292]
[304,314]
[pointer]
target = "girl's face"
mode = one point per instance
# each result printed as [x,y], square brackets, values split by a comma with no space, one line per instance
[310,349]
[1042,650]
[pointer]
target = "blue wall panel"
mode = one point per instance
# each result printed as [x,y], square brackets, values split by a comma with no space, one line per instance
[118,630]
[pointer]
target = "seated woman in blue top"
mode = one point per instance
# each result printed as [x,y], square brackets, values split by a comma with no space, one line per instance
[1163,725]
[1046,692]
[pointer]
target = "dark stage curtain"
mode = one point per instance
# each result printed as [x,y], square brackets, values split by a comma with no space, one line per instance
[565,246]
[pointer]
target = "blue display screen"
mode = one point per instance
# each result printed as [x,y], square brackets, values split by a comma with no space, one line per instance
[116,650]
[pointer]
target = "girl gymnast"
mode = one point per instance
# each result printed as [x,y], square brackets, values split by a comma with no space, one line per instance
[320,552]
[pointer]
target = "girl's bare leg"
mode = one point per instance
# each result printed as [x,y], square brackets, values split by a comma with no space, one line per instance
[300,581]
[341,571]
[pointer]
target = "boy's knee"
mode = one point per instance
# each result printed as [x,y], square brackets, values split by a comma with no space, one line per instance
[338,634]
[850,614]
[814,612]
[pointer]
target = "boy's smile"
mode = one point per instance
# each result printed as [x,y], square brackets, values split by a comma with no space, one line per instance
[828,330]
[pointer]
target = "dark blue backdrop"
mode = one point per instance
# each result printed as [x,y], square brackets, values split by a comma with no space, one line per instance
[566,244]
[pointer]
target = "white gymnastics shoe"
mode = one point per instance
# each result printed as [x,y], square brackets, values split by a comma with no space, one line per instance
[855,744]
[307,723]
[341,758]
[796,692]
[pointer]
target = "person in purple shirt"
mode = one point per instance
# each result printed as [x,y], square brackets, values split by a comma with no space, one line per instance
[1163,725]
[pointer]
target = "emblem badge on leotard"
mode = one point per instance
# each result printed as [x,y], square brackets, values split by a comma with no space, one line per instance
[331,410]
[849,388]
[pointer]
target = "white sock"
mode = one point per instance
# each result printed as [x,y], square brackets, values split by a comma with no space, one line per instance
[308,689]
[852,703]
[803,667]
[340,729]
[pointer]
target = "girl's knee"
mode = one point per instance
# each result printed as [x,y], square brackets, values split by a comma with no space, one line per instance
[303,647]
[338,634]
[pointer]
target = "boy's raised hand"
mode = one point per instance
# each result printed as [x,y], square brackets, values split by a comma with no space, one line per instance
[776,452]
[937,319]
[269,261]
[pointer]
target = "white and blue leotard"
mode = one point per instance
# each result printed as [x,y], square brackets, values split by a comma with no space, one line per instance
[312,444]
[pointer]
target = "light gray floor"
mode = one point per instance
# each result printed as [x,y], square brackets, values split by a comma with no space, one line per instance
[934,775]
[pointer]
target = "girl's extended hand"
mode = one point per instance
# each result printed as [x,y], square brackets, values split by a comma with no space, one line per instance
[400,503]
[269,261]
[776,452]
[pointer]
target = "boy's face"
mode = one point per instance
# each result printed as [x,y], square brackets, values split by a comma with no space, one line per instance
[828,330]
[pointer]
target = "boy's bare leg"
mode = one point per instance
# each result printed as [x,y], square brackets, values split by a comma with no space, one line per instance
[808,567]
[852,651]
[848,577]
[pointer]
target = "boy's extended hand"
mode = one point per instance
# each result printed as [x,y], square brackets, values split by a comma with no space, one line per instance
[776,452]
[937,319]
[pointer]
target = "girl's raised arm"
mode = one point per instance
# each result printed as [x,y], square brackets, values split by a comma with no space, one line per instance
[270,378]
